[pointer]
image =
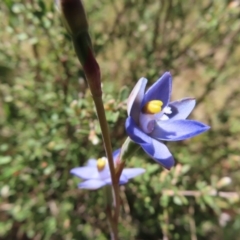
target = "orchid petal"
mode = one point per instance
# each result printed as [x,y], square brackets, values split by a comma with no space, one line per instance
[132,172]
[85,172]
[95,178]
[104,173]
[160,90]
[92,162]
[181,109]
[116,154]
[135,99]
[123,179]
[91,184]
[137,135]
[178,130]
[155,149]
[161,153]
[108,181]
[147,122]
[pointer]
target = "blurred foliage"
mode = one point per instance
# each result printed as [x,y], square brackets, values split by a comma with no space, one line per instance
[48,124]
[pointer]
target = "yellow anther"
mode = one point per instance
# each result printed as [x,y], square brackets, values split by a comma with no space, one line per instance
[101,162]
[152,107]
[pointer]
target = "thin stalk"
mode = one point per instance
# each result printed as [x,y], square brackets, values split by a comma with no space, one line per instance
[76,23]
[108,148]
[108,205]
[112,225]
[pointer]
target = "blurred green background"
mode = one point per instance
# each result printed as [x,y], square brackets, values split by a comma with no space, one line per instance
[48,124]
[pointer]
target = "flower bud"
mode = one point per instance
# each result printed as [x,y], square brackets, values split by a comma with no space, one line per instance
[75,19]
[74,15]
[83,48]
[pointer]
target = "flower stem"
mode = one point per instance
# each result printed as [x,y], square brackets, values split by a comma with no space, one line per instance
[128,149]
[112,224]
[108,148]
[77,25]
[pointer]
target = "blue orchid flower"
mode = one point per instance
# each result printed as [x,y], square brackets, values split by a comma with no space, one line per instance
[96,173]
[152,118]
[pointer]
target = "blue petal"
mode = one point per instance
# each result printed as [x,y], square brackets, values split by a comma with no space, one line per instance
[181,109]
[161,153]
[155,149]
[160,90]
[135,99]
[116,154]
[137,135]
[108,181]
[91,184]
[147,122]
[123,179]
[85,172]
[92,162]
[132,172]
[178,130]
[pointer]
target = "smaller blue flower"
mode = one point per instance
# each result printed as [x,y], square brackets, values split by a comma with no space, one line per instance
[153,119]
[96,173]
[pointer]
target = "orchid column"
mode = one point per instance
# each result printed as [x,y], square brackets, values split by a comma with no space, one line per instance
[75,20]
